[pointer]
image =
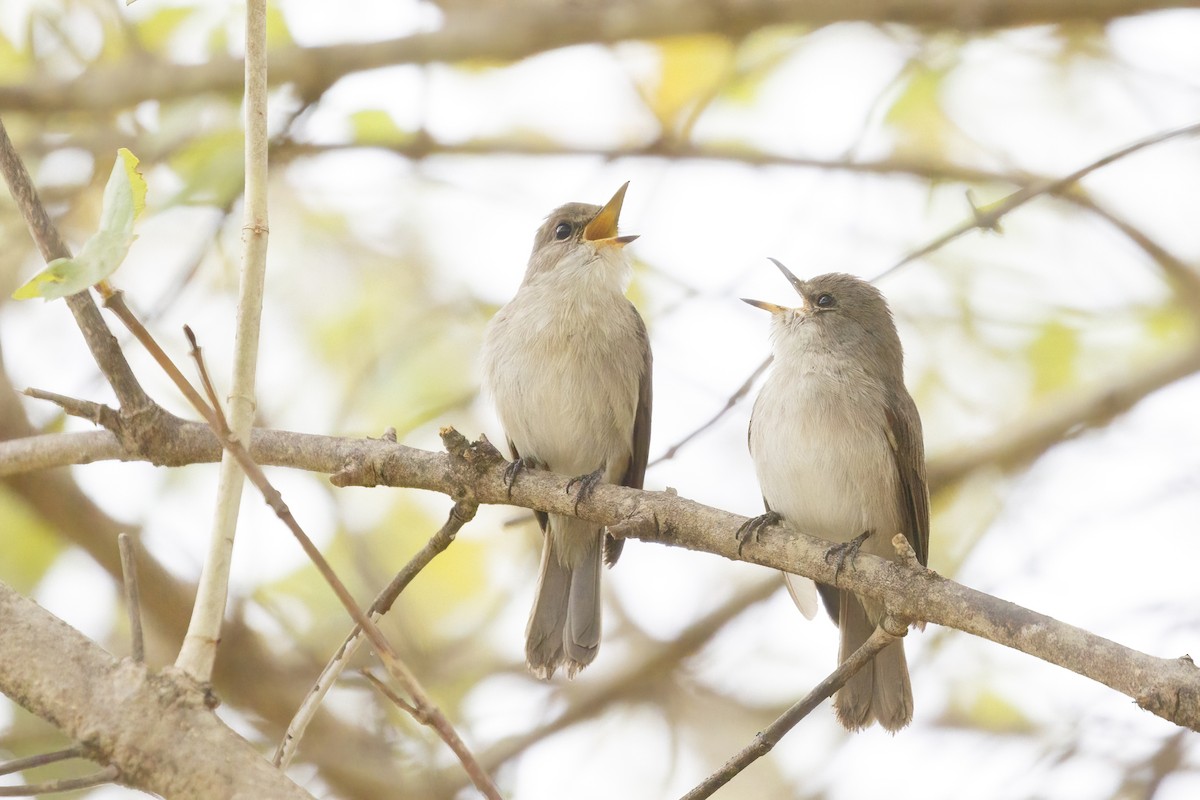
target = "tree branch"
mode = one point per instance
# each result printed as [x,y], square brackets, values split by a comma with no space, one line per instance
[473,473]
[512,31]
[770,736]
[199,650]
[126,715]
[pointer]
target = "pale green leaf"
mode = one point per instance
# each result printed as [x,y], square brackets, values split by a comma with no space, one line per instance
[124,201]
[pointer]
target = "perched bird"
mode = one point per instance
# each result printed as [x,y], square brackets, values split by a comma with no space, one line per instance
[567,363]
[837,445]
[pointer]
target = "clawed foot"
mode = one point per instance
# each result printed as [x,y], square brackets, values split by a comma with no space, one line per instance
[514,469]
[587,484]
[845,551]
[751,528]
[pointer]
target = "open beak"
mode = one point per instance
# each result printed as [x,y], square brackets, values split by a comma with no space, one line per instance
[797,284]
[603,227]
[765,306]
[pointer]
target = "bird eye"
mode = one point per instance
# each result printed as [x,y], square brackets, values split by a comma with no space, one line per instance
[562,230]
[826,301]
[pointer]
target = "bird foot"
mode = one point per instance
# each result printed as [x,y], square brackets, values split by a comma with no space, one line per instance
[752,527]
[514,469]
[587,484]
[846,551]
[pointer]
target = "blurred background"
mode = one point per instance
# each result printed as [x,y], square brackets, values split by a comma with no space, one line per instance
[418,146]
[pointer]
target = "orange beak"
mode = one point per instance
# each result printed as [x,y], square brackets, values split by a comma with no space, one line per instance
[603,227]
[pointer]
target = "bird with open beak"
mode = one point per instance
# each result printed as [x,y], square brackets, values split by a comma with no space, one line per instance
[567,363]
[837,445]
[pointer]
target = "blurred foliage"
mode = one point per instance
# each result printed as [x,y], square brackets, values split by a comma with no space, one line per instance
[30,546]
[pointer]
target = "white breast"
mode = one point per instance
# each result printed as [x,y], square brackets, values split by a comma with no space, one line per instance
[564,374]
[821,451]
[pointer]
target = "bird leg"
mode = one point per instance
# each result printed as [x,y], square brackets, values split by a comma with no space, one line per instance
[845,551]
[587,484]
[752,527]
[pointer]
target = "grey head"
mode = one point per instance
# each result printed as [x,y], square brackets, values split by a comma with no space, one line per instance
[577,231]
[838,314]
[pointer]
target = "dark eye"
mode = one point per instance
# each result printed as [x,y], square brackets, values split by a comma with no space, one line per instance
[562,230]
[826,301]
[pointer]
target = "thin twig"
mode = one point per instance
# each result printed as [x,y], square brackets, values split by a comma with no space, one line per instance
[989,218]
[206,383]
[96,413]
[387,692]
[770,736]
[199,650]
[460,514]
[651,663]
[106,775]
[40,760]
[734,399]
[133,603]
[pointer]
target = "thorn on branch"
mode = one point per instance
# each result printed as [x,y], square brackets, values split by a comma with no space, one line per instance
[984,220]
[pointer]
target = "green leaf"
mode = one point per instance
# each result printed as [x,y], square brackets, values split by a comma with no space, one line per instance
[124,200]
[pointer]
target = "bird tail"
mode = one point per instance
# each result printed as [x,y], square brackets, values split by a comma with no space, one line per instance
[880,691]
[564,626]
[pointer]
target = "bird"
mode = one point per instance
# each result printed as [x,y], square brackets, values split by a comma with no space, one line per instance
[568,365]
[838,450]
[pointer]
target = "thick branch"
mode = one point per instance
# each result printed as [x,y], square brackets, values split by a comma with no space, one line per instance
[1168,687]
[511,31]
[126,715]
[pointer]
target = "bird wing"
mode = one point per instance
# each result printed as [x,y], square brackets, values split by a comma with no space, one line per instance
[639,454]
[908,450]
[542,517]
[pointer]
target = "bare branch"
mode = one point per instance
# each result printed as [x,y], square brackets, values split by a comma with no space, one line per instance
[40,760]
[989,218]
[770,736]
[126,713]
[133,603]
[199,650]
[106,775]
[460,514]
[1167,687]
[511,31]
[730,404]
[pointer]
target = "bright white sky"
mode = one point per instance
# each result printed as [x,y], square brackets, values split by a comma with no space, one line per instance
[1062,541]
